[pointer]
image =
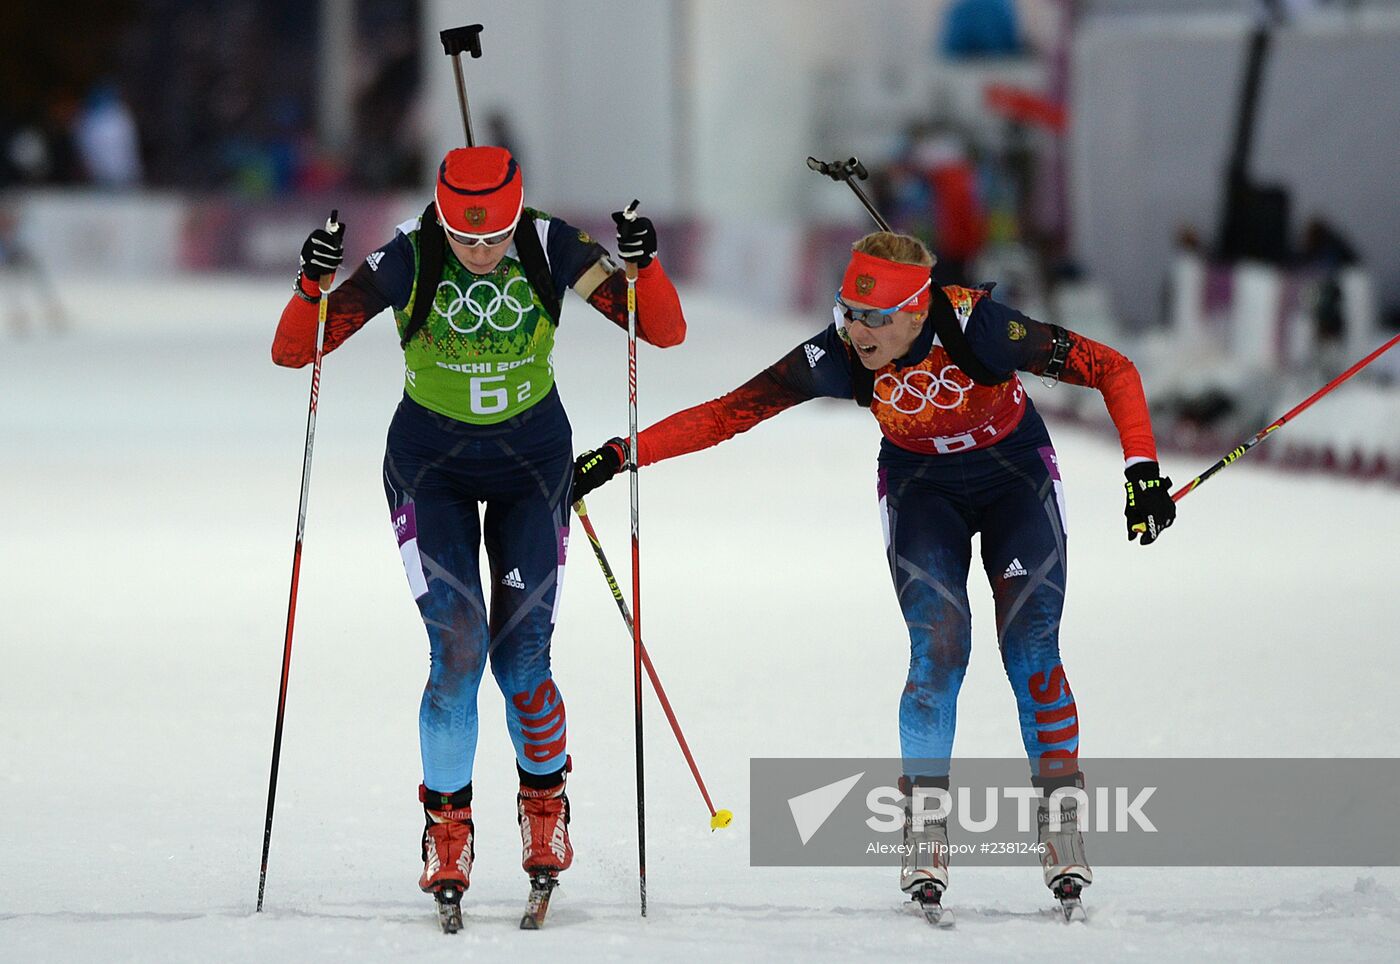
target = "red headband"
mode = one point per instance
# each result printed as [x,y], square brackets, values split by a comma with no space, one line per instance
[884,284]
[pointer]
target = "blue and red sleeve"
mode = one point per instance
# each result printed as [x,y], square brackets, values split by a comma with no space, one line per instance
[1095,365]
[819,367]
[347,310]
[1006,340]
[571,252]
[660,321]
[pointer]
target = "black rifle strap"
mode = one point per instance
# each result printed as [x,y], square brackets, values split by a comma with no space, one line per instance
[536,266]
[862,379]
[432,246]
[954,340]
[1059,353]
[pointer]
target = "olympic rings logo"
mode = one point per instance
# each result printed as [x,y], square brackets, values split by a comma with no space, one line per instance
[483,309]
[909,395]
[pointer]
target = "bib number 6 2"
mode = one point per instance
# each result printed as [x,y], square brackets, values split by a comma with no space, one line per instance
[490,394]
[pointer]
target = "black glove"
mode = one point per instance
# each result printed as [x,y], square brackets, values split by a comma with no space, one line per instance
[593,468]
[636,237]
[1150,508]
[323,252]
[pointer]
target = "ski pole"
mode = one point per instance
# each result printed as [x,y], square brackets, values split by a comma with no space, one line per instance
[630,212]
[1238,453]
[718,818]
[332,225]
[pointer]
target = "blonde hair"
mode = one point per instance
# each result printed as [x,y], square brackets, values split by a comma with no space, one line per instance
[900,248]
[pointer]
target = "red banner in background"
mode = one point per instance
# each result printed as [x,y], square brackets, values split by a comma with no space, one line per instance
[1026,107]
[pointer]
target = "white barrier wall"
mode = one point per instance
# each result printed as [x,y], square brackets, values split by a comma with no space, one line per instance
[585,87]
[1154,104]
[132,234]
[696,106]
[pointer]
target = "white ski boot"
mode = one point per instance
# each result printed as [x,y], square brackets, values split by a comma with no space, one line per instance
[923,866]
[1062,858]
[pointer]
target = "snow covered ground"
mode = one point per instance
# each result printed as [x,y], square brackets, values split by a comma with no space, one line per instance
[151,467]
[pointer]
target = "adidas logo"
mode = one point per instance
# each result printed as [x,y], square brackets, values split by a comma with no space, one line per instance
[513,580]
[1015,569]
[814,355]
[373,260]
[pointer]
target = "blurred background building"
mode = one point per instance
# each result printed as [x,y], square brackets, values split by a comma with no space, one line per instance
[1207,184]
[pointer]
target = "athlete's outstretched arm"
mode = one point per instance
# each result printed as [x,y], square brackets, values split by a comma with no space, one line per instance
[689,430]
[816,368]
[702,426]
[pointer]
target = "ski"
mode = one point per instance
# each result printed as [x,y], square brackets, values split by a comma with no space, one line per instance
[1067,891]
[541,887]
[449,908]
[1073,910]
[929,899]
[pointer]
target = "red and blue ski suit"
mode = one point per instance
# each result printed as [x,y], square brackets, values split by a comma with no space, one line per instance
[440,468]
[957,458]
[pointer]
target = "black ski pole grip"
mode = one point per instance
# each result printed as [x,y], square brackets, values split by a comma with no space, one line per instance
[456,40]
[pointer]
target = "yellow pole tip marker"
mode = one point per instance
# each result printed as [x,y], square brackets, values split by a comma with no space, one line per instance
[721,819]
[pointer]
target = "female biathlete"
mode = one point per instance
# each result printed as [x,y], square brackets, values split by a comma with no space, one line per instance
[959,456]
[475,285]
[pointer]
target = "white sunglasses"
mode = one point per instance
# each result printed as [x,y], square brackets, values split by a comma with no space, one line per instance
[472,240]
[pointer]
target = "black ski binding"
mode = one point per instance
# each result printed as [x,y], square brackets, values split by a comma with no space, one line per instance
[1067,890]
[449,907]
[929,897]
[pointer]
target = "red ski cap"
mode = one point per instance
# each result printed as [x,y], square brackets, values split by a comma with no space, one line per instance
[479,191]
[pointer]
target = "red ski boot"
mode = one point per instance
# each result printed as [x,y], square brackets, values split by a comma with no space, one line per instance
[447,843]
[544,824]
